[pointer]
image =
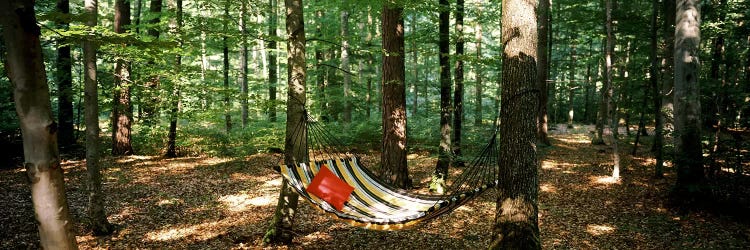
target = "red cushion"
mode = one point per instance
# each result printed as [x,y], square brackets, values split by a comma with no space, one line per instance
[328,187]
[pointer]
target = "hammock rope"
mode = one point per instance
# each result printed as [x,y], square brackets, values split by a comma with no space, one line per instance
[374,203]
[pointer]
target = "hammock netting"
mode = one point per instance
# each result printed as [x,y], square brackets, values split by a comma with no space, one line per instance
[375,204]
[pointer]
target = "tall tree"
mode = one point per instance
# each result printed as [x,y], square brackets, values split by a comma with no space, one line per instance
[176,29]
[122,108]
[97,215]
[608,89]
[415,60]
[516,223]
[571,82]
[150,99]
[478,69]
[444,149]
[345,65]
[243,63]
[688,160]
[273,76]
[280,230]
[458,92]
[25,68]
[393,159]
[225,51]
[64,81]
[667,88]
[543,70]
[655,90]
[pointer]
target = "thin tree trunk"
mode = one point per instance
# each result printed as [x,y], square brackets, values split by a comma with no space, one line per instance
[149,100]
[415,61]
[393,159]
[516,223]
[444,149]
[244,106]
[608,91]
[571,84]
[345,66]
[690,185]
[667,88]
[64,81]
[25,68]
[370,62]
[97,215]
[658,143]
[122,108]
[225,49]
[273,78]
[175,102]
[458,94]
[280,230]
[478,69]
[543,71]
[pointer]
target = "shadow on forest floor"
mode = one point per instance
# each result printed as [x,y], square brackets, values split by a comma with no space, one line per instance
[226,203]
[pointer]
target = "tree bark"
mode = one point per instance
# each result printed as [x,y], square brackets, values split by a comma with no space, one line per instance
[280,230]
[458,92]
[96,213]
[571,84]
[667,88]
[543,71]
[393,159]
[64,81]
[516,223]
[25,68]
[415,59]
[122,108]
[444,149]
[690,185]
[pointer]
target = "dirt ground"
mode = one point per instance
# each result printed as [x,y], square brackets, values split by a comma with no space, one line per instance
[225,203]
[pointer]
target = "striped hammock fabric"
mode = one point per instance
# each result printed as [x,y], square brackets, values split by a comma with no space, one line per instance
[374,204]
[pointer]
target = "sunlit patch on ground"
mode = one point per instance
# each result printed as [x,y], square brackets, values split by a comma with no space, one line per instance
[546,187]
[243,202]
[597,230]
[604,180]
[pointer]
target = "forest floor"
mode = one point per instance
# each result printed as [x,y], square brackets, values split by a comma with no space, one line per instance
[226,203]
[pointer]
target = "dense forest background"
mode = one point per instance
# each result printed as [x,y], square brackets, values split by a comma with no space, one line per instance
[209,78]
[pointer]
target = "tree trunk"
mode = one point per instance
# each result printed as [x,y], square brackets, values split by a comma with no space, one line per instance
[516,223]
[479,85]
[25,68]
[96,213]
[393,159]
[444,149]
[571,84]
[688,161]
[345,65]
[280,230]
[150,94]
[122,108]
[608,91]
[273,78]
[64,81]
[667,88]
[225,50]
[244,106]
[175,98]
[458,94]
[415,61]
[657,146]
[543,71]
[370,62]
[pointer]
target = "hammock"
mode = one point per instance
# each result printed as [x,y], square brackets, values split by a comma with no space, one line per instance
[374,204]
